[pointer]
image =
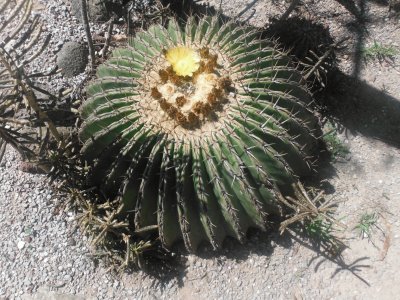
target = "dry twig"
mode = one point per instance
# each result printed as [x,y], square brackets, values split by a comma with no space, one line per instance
[86,25]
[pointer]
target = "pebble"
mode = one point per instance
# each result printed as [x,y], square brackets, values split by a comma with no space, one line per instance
[21,245]
[67,277]
[71,242]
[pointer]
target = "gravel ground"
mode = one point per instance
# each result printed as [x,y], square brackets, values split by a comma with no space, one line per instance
[43,256]
[63,27]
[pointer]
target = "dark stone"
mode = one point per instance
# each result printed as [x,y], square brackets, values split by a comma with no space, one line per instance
[394,5]
[71,242]
[72,59]
[98,10]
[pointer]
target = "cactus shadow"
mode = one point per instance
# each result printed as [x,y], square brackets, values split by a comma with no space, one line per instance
[360,108]
[183,9]
[322,256]
[256,243]
[186,8]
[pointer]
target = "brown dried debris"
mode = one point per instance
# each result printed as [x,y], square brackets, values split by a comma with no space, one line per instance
[180,118]
[155,93]
[172,111]
[224,83]
[211,64]
[204,52]
[192,118]
[198,107]
[180,101]
[164,75]
[212,99]
[164,104]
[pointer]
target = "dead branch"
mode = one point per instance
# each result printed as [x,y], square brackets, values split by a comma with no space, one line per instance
[86,25]
[292,6]
[108,38]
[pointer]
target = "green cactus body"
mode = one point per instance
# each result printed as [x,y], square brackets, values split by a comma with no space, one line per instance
[197,129]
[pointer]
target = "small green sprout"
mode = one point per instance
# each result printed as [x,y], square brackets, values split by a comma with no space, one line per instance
[319,229]
[322,232]
[379,51]
[334,144]
[365,224]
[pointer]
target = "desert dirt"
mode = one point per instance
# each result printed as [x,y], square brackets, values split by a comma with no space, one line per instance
[363,102]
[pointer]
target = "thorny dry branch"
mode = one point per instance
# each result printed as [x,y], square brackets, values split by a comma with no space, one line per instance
[306,208]
[19,35]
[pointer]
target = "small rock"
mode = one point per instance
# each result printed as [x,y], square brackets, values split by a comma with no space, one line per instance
[72,59]
[21,245]
[67,277]
[71,242]
[98,10]
[191,259]
[59,44]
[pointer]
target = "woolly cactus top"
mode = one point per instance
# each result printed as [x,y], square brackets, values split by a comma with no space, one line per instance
[187,91]
[198,130]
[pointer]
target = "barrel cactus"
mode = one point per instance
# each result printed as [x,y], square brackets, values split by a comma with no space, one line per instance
[198,130]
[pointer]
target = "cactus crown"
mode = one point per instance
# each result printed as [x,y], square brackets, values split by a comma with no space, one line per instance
[198,130]
[184,92]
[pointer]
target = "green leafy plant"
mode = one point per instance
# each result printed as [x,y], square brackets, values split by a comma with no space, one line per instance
[198,131]
[323,233]
[379,51]
[365,224]
[319,229]
[335,146]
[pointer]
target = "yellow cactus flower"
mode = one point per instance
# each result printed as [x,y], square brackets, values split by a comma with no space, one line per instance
[184,61]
